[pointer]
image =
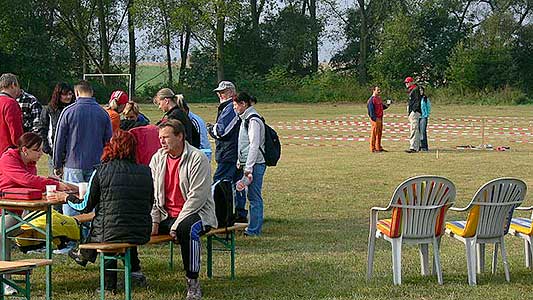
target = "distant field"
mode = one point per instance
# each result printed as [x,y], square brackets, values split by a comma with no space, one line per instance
[317,203]
[152,74]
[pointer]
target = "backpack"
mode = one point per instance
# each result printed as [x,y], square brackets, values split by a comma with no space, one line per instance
[272,152]
[224,204]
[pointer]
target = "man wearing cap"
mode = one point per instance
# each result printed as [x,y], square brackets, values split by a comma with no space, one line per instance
[83,129]
[117,102]
[225,131]
[10,113]
[414,111]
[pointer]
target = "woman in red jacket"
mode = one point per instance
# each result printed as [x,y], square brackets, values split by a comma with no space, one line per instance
[18,170]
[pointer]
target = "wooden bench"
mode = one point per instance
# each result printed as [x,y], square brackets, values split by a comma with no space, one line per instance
[113,251]
[20,267]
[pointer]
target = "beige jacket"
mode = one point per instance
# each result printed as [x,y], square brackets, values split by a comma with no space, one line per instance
[195,185]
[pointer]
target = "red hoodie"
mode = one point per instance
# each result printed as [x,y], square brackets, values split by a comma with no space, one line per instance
[147,138]
[15,174]
[10,122]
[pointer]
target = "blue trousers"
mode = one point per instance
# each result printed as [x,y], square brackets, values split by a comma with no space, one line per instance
[229,171]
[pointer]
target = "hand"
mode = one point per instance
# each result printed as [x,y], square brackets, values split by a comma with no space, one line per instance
[155,229]
[61,196]
[249,175]
[61,186]
[174,235]
[58,172]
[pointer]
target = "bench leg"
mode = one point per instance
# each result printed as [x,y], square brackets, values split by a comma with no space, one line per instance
[127,274]
[232,255]
[102,274]
[171,260]
[210,256]
[28,285]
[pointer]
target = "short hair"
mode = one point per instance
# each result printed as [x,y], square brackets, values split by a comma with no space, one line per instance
[121,146]
[29,140]
[181,103]
[131,107]
[246,98]
[176,125]
[164,94]
[7,80]
[84,86]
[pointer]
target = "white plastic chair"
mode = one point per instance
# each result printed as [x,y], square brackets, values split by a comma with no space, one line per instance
[488,221]
[419,207]
[523,228]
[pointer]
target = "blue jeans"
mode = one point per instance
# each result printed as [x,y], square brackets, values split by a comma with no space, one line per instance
[423,124]
[256,200]
[75,176]
[229,171]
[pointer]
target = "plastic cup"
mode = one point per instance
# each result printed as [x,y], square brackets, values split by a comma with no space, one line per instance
[51,189]
[82,186]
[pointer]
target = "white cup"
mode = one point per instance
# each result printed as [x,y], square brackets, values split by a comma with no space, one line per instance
[82,186]
[51,189]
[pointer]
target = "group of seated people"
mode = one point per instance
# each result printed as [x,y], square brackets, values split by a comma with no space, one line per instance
[171,196]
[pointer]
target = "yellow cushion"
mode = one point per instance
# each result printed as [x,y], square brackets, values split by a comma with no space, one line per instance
[522,225]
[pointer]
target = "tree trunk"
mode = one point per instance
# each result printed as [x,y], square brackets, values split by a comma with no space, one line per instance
[104,43]
[169,56]
[363,44]
[133,54]
[314,49]
[220,28]
[184,51]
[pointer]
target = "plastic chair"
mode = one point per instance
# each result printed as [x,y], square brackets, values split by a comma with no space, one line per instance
[419,207]
[521,227]
[490,213]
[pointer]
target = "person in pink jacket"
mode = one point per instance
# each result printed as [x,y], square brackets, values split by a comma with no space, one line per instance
[18,170]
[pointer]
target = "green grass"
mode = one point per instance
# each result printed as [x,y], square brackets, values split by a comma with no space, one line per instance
[317,203]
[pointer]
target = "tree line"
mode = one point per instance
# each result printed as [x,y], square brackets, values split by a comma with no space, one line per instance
[461,47]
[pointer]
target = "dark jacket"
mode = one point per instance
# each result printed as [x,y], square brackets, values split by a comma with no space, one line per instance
[122,209]
[192,135]
[126,124]
[414,100]
[48,125]
[226,133]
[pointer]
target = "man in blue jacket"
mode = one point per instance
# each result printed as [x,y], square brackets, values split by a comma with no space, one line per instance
[226,134]
[82,132]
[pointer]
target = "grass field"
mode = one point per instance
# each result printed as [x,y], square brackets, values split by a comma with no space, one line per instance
[317,203]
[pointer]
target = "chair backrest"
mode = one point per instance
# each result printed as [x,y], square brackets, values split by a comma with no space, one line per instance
[420,205]
[493,206]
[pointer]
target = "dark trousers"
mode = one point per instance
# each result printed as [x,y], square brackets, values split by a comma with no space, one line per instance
[229,171]
[188,235]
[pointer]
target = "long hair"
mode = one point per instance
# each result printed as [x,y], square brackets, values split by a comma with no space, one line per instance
[60,88]
[121,146]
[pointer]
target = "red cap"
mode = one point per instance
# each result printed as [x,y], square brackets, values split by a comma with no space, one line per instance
[120,96]
[408,79]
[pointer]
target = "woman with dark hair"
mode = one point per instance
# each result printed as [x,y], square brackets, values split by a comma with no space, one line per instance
[250,158]
[62,96]
[18,170]
[122,209]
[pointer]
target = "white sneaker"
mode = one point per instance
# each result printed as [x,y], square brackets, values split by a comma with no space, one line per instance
[9,290]
[62,251]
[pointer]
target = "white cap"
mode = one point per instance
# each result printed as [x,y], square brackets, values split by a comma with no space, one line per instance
[225,85]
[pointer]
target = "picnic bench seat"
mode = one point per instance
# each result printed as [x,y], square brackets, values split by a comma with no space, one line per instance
[20,267]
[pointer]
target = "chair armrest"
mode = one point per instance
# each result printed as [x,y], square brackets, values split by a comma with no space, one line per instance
[459,208]
[524,208]
[375,208]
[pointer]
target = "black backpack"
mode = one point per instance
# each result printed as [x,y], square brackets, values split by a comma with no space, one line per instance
[223,197]
[272,151]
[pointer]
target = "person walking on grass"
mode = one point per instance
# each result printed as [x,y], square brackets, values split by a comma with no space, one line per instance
[425,107]
[184,206]
[375,107]
[414,111]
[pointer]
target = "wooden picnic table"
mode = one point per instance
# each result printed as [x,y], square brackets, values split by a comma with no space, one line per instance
[38,208]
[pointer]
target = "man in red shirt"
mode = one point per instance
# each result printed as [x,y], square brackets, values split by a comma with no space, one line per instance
[184,206]
[10,112]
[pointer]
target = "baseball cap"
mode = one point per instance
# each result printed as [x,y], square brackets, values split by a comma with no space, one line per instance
[408,79]
[120,96]
[225,85]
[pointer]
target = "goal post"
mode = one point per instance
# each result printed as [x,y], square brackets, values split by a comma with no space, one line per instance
[85,76]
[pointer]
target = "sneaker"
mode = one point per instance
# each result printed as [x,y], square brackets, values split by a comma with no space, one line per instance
[383,150]
[75,254]
[411,151]
[62,251]
[138,279]
[194,292]
[9,290]
[241,220]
